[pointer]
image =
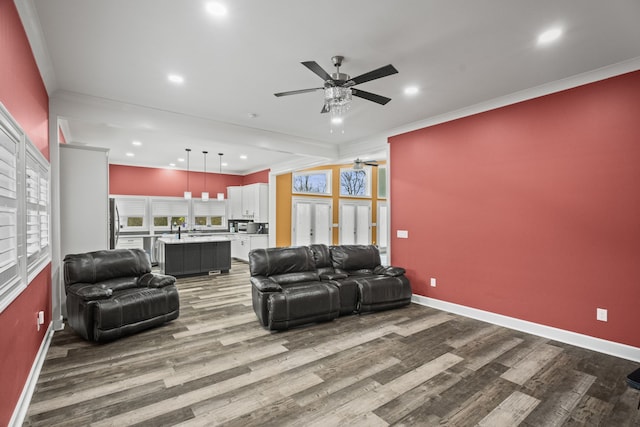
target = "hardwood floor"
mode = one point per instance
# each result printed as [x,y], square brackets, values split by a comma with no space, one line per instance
[413,366]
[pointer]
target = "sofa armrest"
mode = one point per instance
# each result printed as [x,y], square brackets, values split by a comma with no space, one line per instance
[333,276]
[389,271]
[265,284]
[89,291]
[155,280]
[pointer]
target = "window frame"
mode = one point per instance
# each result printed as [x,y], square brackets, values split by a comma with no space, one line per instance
[23,266]
[327,174]
[367,171]
[385,195]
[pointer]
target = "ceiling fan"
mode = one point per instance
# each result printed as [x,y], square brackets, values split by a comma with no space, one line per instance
[338,87]
[360,164]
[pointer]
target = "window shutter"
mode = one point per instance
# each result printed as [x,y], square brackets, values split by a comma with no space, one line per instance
[9,274]
[131,207]
[210,208]
[169,208]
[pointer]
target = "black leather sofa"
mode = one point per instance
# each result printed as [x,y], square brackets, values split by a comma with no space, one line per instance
[297,285]
[113,293]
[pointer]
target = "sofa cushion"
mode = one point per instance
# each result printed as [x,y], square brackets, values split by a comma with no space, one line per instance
[303,303]
[276,261]
[132,307]
[98,266]
[355,257]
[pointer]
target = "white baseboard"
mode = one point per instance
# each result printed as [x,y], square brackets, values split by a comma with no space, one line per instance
[585,341]
[21,408]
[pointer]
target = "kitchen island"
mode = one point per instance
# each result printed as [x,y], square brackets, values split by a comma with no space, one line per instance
[191,256]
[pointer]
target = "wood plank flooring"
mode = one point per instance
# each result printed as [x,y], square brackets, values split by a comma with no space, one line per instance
[215,365]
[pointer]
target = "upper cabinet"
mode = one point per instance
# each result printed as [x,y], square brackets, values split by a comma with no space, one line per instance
[249,202]
[234,202]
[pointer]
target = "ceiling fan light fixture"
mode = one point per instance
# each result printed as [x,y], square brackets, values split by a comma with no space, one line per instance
[337,100]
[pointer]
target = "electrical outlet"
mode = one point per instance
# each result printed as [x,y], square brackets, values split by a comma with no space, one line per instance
[40,319]
[433,282]
[601,314]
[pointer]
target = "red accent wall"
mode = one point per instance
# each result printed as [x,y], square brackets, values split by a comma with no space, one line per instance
[20,340]
[531,211]
[23,93]
[256,177]
[139,181]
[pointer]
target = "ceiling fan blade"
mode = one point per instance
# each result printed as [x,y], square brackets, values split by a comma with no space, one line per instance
[371,163]
[295,92]
[325,109]
[385,71]
[317,69]
[370,96]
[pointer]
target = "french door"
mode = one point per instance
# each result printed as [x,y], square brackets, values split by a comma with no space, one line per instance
[355,222]
[311,221]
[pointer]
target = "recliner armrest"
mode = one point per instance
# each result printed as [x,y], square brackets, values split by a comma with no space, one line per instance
[89,291]
[389,271]
[265,284]
[155,280]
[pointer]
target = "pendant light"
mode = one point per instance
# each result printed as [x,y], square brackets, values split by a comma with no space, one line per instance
[220,195]
[205,194]
[187,194]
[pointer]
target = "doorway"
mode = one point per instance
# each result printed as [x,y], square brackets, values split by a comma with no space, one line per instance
[311,221]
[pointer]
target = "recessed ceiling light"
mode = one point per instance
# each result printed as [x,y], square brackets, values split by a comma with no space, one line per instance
[216,9]
[137,143]
[175,78]
[336,120]
[549,36]
[173,165]
[224,164]
[129,154]
[180,159]
[411,90]
[243,156]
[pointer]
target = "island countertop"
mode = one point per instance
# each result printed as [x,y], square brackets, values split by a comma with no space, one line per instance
[192,239]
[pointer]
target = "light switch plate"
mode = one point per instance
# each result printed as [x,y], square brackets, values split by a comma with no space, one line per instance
[601,314]
[433,282]
[402,234]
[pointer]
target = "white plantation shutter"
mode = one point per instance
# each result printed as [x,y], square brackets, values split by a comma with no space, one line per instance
[210,208]
[33,206]
[10,280]
[37,210]
[43,206]
[131,207]
[169,208]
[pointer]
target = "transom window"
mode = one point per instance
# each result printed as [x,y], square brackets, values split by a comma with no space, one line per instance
[355,182]
[312,182]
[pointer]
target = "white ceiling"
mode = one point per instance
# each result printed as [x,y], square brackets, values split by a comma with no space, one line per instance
[105,65]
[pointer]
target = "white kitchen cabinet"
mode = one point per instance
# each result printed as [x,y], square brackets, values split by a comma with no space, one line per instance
[130,243]
[84,199]
[249,202]
[242,244]
[255,202]
[234,200]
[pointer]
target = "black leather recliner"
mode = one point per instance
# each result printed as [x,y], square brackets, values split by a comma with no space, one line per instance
[286,289]
[297,285]
[378,287]
[112,293]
